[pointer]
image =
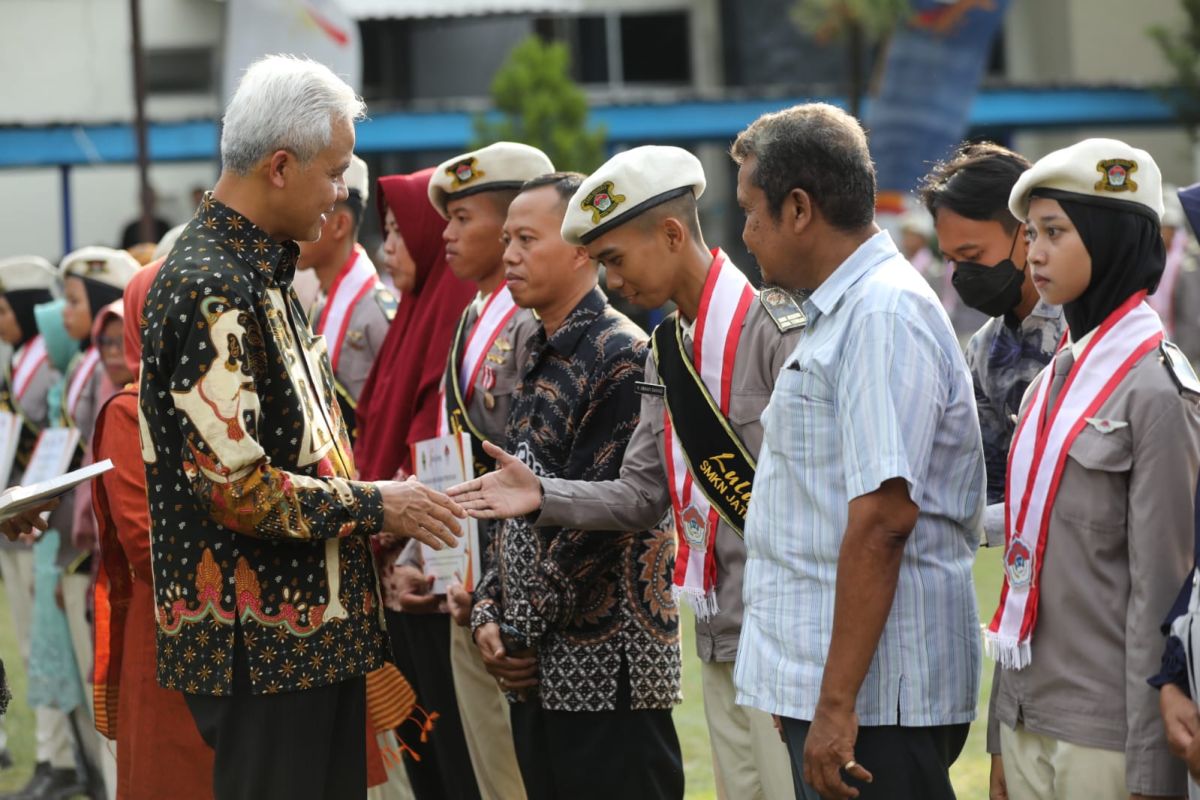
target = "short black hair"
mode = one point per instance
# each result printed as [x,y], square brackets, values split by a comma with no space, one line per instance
[820,149]
[682,208]
[975,183]
[565,183]
[354,204]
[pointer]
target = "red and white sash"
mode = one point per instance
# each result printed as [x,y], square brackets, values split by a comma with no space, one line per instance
[356,278]
[80,379]
[1036,460]
[724,303]
[26,364]
[496,313]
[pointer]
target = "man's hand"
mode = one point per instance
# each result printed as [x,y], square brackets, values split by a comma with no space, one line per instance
[416,592]
[829,751]
[415,511]
[458,600]
[1180,718]
[27,522]
[997,787]
[513,673]
[510,490]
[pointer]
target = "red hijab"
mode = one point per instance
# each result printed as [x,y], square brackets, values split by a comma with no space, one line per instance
[399,402]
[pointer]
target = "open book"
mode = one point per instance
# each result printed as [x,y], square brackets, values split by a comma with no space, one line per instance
[23,498]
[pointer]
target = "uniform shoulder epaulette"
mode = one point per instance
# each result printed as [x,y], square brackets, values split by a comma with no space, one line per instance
[1180,368]
[783,308]
[387,302]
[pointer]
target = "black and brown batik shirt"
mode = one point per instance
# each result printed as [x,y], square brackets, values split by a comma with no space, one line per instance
[587,600]
[255,522]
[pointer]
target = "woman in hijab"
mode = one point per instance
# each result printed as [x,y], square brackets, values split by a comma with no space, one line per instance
[159,751]
[399,402]
[399,406]
[1101,478]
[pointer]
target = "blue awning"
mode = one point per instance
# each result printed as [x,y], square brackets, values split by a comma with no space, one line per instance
[685,122]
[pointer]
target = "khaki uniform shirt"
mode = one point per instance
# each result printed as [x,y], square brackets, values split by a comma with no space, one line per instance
[640,497]
[34,410]
[368,325]
[1119,545]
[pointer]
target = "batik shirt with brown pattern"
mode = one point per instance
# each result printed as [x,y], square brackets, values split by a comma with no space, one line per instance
[587,600]
[255,522]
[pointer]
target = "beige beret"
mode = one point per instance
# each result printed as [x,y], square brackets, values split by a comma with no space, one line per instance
[102,264]
[357,178]
[26,272]
[628,184]
[1104,169]
[503,165]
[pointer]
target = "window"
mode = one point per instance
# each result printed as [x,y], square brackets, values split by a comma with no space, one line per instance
[627,49]
[180,71]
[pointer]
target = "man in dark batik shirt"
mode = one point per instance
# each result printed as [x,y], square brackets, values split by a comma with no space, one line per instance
[574,621]
[265,590]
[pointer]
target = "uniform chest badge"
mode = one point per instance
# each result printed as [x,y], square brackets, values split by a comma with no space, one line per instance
[356,339]
[1116,175]
[602,201]
[1018,563]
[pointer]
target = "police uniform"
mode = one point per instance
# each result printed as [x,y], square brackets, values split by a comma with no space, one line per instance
[28,378]
[1075,717]
[355,313]
[751,762]
[501,343]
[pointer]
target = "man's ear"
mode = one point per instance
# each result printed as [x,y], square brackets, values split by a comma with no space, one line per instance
[343,223]
[582,259]
[675,234]
[1021,249]
[277,166]
[797,212]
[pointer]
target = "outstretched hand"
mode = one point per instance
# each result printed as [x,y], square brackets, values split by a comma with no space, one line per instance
[28,523]
[510,490]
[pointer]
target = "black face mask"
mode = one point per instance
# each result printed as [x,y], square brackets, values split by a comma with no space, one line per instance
[993,290]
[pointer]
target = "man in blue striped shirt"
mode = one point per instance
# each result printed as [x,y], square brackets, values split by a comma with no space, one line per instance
[869,490]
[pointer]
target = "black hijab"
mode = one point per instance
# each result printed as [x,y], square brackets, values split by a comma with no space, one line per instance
[22,302]
[1128,255]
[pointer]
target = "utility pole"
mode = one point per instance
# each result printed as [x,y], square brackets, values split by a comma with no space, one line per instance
[139,122]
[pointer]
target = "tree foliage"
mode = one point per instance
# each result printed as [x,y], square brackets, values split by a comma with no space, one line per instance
[538,104]
[1180,45]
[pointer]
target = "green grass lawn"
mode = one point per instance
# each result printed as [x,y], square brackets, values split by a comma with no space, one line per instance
[970,774]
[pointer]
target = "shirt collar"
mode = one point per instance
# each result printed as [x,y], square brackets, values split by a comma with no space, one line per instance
[870,254]
[572,329]
[274,260]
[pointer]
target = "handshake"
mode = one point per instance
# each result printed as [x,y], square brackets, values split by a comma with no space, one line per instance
[411,510]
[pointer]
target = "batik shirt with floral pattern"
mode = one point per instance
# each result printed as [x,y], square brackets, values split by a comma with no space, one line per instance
[1004,356]
[254,519]
[587,600]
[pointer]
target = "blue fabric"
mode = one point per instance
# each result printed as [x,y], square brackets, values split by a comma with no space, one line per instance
[53,674]
[876,389]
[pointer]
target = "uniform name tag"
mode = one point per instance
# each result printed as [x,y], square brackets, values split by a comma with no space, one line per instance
[656,389]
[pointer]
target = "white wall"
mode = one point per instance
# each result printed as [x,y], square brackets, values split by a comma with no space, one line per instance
[103,201]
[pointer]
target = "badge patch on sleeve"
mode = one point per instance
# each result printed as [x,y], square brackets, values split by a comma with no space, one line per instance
[1180,368]
[784,309]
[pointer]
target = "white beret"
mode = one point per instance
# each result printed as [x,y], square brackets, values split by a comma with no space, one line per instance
[163,248]
[20,273]
[357,179]
[101,264]
[1104,169]
[503,165]
[628,184]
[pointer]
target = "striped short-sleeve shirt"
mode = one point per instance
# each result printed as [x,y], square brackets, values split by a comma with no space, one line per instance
[876,389]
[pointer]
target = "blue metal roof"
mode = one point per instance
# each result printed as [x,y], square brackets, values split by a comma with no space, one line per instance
[689,121]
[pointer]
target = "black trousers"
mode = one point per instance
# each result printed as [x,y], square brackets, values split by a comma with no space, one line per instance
[907,763]
[421,645]
[598,755]
[304,745]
